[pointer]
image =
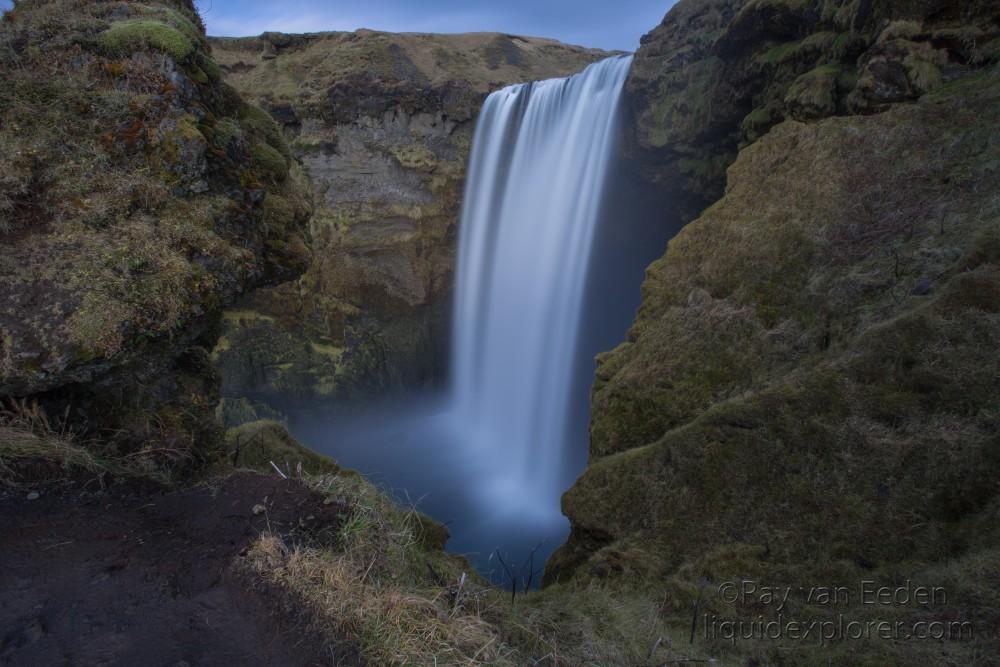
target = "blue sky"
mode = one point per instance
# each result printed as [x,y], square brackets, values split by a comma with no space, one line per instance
[608,24]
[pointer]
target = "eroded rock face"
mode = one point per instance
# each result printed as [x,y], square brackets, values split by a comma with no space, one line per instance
[139,195]
[811,344]
[382,124]
[716,75]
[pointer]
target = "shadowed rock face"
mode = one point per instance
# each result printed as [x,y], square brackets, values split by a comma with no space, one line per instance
[716,75]
[811,366]
[139,195]
[382,124]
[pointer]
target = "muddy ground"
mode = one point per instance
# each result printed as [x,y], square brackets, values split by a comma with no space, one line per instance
[146,577]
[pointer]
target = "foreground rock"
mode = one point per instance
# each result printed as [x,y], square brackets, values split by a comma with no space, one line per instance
[382,124]
[139,195]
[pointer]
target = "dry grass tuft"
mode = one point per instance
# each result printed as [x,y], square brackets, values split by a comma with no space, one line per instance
[380,589]
[27,437]
[390,624]
[37,449]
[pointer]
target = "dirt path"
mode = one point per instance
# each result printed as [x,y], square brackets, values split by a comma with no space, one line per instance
[147,578]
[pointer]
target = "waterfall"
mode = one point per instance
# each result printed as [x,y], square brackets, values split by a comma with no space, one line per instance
[536,177]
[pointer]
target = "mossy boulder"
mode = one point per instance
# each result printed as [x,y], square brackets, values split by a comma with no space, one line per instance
[133,211]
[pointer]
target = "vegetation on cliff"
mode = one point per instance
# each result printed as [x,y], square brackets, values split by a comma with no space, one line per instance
[139,195]
[715,75]
[808,393]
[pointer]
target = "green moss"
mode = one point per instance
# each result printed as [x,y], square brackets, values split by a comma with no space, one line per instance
[270,161]
[814,94]
[279,214]
[210,68]
[226,132]
[842,42]
[414,156]
[261,442]
[757,122]
[197,74]
[257,122]
[130,36]
[177,20]
[779,53]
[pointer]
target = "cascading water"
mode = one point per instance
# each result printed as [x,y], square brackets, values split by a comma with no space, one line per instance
[532,198]
[490,460]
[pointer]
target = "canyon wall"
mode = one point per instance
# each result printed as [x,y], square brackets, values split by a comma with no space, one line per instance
[139,195]
[382,124]
[811,381]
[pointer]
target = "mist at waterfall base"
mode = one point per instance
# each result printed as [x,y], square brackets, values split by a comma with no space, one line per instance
[555,235]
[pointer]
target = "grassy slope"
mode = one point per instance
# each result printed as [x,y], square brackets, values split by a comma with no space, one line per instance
[305,70]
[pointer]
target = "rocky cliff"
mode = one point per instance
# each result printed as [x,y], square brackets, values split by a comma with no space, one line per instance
[809,389]
[716,75]
[139,195]
[382,125]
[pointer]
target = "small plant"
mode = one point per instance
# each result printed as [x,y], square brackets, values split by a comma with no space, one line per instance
[355,526]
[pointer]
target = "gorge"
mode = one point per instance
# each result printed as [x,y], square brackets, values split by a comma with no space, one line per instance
[491,455]
[225,259]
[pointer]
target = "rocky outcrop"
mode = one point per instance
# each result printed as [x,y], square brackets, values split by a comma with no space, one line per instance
[382,124]
[806,391]
[139,195]
[716,75]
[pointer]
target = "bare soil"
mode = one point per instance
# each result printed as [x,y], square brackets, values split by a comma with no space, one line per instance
[140,577]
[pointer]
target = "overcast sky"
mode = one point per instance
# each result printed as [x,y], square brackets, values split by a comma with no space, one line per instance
[608,24]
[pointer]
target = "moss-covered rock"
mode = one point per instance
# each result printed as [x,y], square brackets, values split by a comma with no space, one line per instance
[134,209]
[716,74]
[810,383]
[259,444]
[126,37]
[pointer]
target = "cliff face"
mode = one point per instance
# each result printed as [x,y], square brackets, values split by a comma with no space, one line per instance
[383,125]
[716,75]
[809,387]
[139,194]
